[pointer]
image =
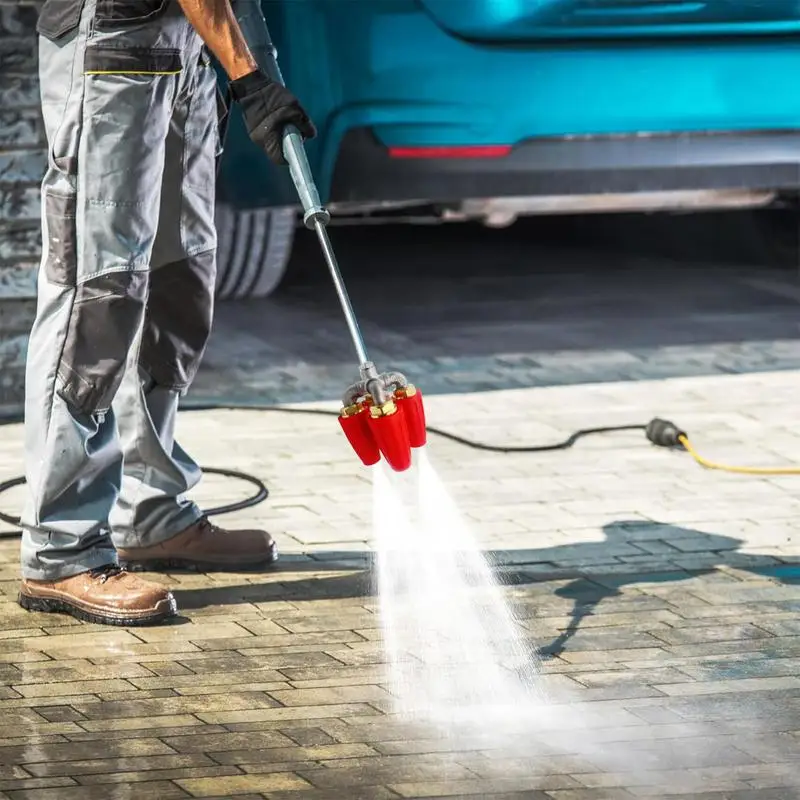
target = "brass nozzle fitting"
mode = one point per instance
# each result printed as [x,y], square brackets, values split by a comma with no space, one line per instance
[350,411]
[385,410]
[405,391]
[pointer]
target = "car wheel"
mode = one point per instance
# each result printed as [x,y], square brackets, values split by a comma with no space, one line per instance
[253,250]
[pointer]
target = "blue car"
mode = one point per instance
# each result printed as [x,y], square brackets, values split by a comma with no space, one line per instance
[494,109]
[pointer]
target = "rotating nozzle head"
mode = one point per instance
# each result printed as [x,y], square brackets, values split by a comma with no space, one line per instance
[388,423]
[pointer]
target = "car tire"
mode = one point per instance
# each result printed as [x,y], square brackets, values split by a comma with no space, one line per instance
[253,250]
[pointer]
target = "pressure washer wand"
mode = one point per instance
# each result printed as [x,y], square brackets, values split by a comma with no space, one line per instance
[382,413]
[316,217]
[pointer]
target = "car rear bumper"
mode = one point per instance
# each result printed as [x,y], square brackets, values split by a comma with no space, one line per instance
[366,172]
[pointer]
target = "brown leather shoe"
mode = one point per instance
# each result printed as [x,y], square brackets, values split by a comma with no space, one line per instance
[107,595]
[204,546]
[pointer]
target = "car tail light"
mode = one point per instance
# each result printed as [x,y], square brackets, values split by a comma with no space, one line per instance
[469,151]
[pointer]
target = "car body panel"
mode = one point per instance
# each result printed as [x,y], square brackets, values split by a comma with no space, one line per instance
[389,66]
[532,20]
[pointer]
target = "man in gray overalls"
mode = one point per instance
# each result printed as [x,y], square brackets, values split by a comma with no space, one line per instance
[129,100]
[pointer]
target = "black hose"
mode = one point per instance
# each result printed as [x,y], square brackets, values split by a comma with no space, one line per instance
[262,493]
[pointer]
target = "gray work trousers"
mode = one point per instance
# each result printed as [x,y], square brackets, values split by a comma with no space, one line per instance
[125,289]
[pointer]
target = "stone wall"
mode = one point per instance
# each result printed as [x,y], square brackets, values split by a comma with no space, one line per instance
[22,164]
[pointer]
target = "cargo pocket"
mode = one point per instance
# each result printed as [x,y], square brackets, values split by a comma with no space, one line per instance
[58,18]
[106,315]
[114,14]
[60,265]
[105,60]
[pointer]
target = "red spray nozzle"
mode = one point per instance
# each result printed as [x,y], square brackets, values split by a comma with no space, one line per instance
[409,401]
[383,415]
[388,426]
[355,424]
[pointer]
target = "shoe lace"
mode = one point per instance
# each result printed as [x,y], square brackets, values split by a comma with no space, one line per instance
[205,525]
[106,572]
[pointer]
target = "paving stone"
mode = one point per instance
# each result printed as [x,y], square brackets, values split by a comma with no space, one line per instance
[480,788]
[134,724]
[73,751]
[761,794]
[734,686]
[34,783]
[132,650]
[116,765]
[326,753]
[73,688]
[772,775]
[337,695]
[783,627]
[146,790]
[209,679]
[283,714]
[589,794]
[616,640]
[353,793]
[308,737]
[750,705]
[637,677]
[77,670]
[778,647]
[233,785]
[133,707]
[221,742]
[683,788]
[94,736]
[496,766]
[131,778]
[255,644]
[193,633]
[771,747]
[711,633]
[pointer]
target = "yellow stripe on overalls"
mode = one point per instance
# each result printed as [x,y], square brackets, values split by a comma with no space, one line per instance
[129,72]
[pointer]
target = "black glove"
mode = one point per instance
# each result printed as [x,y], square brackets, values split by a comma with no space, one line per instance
[268,107]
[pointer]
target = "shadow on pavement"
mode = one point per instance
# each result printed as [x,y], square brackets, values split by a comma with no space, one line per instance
[587,594]
[299,578]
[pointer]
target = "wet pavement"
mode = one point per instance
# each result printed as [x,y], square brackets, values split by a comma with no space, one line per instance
[664,597]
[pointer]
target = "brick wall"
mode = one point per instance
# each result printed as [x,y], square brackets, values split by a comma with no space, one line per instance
[22,163]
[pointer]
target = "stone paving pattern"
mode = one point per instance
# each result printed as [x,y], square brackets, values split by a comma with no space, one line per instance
[666,596]
[545,303]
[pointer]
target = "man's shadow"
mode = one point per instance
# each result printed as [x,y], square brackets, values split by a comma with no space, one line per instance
[587,594]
